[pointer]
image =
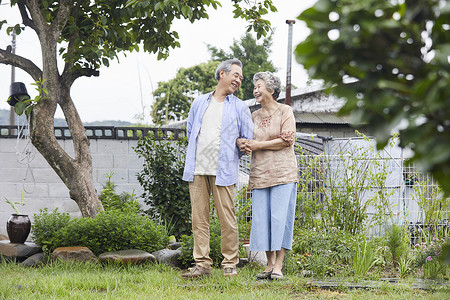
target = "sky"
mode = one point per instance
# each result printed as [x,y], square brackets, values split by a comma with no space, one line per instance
[124,89]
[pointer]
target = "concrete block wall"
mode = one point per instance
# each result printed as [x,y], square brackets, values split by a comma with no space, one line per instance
[44,189]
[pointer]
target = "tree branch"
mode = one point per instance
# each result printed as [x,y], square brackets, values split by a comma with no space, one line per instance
[25,18]
[7,58]
[36,15]
[61,18]
[69,75]
[70,48]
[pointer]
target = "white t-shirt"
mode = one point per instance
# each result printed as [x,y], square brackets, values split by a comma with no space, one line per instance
[209,139]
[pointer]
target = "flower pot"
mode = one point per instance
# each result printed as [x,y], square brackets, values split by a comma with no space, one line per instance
[18,228]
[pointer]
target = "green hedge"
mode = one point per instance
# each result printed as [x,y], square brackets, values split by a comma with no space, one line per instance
[111,230]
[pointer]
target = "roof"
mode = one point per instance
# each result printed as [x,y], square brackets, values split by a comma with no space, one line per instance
[320,118]
[308,145]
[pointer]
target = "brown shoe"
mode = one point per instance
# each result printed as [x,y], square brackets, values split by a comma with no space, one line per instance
[229,271]
[196,272]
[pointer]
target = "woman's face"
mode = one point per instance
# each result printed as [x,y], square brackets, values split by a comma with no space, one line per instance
[261,93]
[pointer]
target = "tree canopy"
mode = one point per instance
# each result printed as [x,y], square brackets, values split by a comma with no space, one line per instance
[173,98]
[254,57]
[398,52]
[87,34]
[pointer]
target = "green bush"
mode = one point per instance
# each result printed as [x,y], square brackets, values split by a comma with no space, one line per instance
[46,228]
[110,231]
[110,200]
[187,246]
[322,252]
[165,192]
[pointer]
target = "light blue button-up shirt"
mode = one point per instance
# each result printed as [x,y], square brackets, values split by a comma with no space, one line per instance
[236,123]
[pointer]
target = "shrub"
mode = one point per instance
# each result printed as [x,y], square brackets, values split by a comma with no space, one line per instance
[161,179]
[46,228]
[322,251]
[110,231]
[110,200]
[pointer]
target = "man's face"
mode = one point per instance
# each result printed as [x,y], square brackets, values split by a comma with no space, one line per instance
[232,81]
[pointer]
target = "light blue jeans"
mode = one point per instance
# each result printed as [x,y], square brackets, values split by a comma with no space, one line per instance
[273,215]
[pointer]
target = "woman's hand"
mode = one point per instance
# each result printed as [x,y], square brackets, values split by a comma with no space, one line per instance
[252,145]
[243,145]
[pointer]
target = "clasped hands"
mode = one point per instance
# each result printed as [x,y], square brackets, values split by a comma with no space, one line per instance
[246,146]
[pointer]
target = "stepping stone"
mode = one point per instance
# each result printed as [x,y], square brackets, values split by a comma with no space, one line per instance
[34,260]
[81,254]
[19,252]
[131,256]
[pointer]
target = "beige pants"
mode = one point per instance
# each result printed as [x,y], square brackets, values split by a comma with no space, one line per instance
[200,190]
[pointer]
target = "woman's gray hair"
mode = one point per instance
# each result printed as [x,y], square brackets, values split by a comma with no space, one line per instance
[273,83]
[226,66]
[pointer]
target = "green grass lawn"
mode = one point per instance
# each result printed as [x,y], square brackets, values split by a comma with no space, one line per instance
[91,281]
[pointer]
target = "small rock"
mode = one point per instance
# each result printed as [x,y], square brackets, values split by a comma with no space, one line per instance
[34,260]
[19,252]
[258,257]
[132,256]
[168,257]
[174,246]
[242,262]
[81,254]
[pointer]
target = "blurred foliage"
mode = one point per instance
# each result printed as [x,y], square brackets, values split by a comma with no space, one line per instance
[397,55]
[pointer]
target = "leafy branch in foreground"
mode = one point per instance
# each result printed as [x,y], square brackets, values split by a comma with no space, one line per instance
[397,52]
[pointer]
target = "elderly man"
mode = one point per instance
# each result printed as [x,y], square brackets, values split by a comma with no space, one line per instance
[216,121]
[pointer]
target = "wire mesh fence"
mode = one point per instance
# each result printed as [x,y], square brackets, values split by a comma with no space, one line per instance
[351,179]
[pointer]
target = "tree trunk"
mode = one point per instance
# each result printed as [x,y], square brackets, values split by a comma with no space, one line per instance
[76,173]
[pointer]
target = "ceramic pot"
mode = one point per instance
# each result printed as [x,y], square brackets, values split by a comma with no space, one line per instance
[18,228]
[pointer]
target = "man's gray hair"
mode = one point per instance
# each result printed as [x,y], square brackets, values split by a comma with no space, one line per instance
[226,65]
[273,83]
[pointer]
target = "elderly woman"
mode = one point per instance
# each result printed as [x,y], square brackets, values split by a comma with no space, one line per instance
[273,175]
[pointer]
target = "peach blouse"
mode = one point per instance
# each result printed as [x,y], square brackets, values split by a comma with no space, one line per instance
[274,167]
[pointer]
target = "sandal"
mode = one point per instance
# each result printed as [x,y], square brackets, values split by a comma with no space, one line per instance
[276,276]
[264,275]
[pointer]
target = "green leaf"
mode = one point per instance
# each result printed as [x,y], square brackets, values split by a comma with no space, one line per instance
[185,10]
[20,107]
